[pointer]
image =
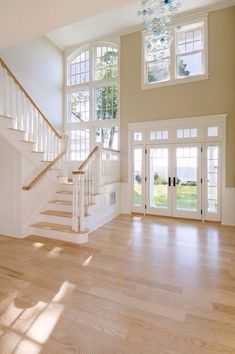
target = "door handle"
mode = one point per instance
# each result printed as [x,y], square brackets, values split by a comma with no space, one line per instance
[169,182]
[174,181]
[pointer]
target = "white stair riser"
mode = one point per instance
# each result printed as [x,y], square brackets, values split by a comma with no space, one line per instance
[61,196]
[27,146]
[17,135]
[67,187]
[51,206]
[57,235]
[5,123]
[56,219]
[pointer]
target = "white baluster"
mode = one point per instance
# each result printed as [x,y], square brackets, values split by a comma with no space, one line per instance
[81,203]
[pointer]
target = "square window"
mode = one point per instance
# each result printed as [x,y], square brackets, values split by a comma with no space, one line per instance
[158,72]
[138,136]
[189,65]
[213,131]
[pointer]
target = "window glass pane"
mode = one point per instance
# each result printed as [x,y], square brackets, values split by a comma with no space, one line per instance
[212,179]
[108,137]
[79,69]
[213,131]
[106,62]
[138,136]
[137,176]
[159,135]
[189,65]
[158,72]
[189,40]
[79,107]
[78,144]
[107,102]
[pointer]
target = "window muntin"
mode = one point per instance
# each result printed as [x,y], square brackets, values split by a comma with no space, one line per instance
[79,69]
[108,137]
[186,58]
[106,62]
[107,102]
[79,106]
[189,50]
[79,144]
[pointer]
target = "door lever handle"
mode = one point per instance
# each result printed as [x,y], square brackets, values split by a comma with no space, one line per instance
[169,182]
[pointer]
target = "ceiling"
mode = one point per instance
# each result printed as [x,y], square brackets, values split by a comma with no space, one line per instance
[21,20]
[120,20]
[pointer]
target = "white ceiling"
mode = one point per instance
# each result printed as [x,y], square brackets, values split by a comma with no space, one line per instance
[21,20]
[120,20]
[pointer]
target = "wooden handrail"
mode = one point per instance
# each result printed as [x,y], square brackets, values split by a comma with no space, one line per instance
[29,97]
[83,165]
[44,171]
[111,150]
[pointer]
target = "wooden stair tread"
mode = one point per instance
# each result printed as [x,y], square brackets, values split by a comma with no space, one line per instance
[28,141]
[61,202]
[6,117]
[17,130]
[64,214]
[55,227]
[65,192]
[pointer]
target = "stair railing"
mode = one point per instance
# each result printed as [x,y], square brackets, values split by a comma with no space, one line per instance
[59,164]
[101,167]
[17,104]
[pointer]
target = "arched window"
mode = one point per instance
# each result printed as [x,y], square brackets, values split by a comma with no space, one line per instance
[92,97]
[79,69]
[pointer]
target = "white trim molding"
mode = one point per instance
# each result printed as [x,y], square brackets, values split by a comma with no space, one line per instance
[201,123]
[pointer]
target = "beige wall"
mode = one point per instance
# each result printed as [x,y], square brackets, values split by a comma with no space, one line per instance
[213,96]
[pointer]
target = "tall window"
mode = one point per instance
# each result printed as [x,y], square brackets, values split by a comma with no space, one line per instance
[184,61]
[93,99]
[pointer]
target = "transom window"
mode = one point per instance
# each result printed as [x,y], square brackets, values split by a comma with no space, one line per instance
[93,98]
[185,59]
[186,133]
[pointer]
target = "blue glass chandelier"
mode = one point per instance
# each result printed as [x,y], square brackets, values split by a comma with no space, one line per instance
[157,18]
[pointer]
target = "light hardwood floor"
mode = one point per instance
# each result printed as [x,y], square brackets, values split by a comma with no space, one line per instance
[139,286]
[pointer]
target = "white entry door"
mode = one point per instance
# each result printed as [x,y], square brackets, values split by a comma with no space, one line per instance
[187,181]
[173,180]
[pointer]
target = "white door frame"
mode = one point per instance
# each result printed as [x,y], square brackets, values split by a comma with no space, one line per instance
[200,122]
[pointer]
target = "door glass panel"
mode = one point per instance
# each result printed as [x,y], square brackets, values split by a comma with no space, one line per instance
[212,179]
[159,177]
[137,196]
[186,178]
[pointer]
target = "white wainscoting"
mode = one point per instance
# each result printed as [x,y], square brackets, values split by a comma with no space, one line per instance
[228,206]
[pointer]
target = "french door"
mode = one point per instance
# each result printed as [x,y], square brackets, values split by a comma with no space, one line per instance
[172,176]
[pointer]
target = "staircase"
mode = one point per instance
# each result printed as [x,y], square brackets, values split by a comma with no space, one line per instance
[71,207]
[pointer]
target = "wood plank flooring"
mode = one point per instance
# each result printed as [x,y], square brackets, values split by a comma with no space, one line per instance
[141,285]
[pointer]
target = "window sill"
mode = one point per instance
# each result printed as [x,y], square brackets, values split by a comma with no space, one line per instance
[185,80]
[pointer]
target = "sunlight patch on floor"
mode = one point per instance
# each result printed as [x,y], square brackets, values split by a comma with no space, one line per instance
[55,252]
[87,262]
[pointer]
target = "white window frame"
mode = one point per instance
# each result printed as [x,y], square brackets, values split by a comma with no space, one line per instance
[91,86]
[174,80]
